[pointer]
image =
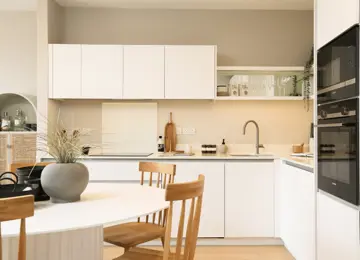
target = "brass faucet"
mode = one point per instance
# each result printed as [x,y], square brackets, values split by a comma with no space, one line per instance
[257,134]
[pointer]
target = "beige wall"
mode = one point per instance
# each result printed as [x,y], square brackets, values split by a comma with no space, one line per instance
[243,37]
[281,123]
[18,52]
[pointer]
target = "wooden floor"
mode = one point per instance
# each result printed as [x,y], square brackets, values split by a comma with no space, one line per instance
[225,253]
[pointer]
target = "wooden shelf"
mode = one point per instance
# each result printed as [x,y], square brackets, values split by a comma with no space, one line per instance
[261,98]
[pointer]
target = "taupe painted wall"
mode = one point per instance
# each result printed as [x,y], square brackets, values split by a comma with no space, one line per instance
[18,52]
[254,38]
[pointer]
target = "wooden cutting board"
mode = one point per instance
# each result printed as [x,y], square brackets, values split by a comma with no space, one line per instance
[170,136]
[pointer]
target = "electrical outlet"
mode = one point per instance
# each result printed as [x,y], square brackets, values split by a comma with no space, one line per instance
[189,131]
[178,130]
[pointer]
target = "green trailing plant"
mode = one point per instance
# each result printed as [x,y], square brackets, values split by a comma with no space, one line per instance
[308,73]
[294,84]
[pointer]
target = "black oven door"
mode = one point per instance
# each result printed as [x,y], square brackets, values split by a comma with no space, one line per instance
[337,68]
[338,165]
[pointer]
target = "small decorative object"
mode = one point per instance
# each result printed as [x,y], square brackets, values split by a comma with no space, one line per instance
[19,121]
[65,180]
[234,90]
[223,147]
[222,91]
[5,122]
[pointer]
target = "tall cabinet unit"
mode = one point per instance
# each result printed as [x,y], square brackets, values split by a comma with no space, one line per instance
[190,72]
[338,231]
[333,17]
[101,71]
[144,72]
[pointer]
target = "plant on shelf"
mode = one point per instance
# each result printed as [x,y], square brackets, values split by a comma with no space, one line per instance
[65,180]
[308,75]
[294,84]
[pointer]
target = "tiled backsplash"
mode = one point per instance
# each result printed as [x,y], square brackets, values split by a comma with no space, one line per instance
[281,123]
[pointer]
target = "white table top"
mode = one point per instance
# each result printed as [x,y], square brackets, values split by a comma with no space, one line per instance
[102,204]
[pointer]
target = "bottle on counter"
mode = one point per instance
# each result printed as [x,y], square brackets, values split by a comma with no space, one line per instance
[223,147]
[5,122]
[161,145]
[19,121]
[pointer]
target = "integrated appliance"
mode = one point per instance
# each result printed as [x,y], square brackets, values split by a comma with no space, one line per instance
[338,116]
[338,68]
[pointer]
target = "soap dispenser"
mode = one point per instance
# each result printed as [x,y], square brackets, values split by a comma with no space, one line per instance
[223,147]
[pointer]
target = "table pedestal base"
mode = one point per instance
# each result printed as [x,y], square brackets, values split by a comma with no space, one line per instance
[82,244]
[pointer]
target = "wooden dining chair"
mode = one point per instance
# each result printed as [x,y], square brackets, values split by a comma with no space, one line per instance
[183,192]
[131,234]
[15,166]
[17,208]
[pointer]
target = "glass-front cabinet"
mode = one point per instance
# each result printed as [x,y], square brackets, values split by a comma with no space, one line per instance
[287,83]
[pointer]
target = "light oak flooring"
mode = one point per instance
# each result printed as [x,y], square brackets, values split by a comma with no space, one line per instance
[225,253]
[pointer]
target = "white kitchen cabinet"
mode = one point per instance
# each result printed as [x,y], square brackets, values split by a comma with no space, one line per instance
[144,72]
[249,199]
[296,205]
[333,17]
[190,72]
[65,71]
[337,230]
[102,71]
[113,171]
[212,216]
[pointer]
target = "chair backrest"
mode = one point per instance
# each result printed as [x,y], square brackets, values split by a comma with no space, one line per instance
[160,175]
[15,166]
[192,191]
[17,208]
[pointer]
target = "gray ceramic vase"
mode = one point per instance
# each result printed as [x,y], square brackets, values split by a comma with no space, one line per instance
[65,182]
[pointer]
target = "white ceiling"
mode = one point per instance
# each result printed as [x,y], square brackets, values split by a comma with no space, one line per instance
[18,5]
[194,4]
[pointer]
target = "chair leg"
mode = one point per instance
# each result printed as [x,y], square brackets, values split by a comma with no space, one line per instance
[163,241]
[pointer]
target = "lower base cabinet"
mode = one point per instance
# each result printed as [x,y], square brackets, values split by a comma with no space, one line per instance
[296,216]
[337,230]
[249,199]
[212,217]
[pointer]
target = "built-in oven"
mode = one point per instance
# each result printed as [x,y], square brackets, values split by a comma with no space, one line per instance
[338,64]
[338,149]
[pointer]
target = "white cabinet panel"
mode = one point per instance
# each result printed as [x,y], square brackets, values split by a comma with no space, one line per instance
[102,71]
[113,170]
[249,199]
[190,72]
[212,217]
[296,204]
[337,230]
[144,72]
[334,17]
[66,71]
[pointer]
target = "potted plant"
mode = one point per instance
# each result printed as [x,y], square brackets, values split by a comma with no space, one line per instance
[65,180]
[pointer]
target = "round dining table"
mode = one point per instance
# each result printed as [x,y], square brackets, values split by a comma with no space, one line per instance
[74,231]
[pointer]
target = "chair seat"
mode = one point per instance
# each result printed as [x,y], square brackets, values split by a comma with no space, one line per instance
[132,234]
[137,253]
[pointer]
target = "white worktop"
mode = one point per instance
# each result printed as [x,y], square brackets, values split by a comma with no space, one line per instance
[197,156]
[305,163]
[104,204]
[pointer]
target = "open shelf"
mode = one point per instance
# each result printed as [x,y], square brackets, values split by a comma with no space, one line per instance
[259,70]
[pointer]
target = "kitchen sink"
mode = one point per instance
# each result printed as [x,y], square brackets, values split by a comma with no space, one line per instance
[251,155]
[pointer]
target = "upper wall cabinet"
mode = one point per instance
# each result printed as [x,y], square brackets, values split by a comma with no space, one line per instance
[102,71]
[333,17]
[144,72]
[190,72]
[65,71]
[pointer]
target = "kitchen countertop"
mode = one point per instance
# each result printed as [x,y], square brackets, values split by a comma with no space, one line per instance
[305,163]
[156,156]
